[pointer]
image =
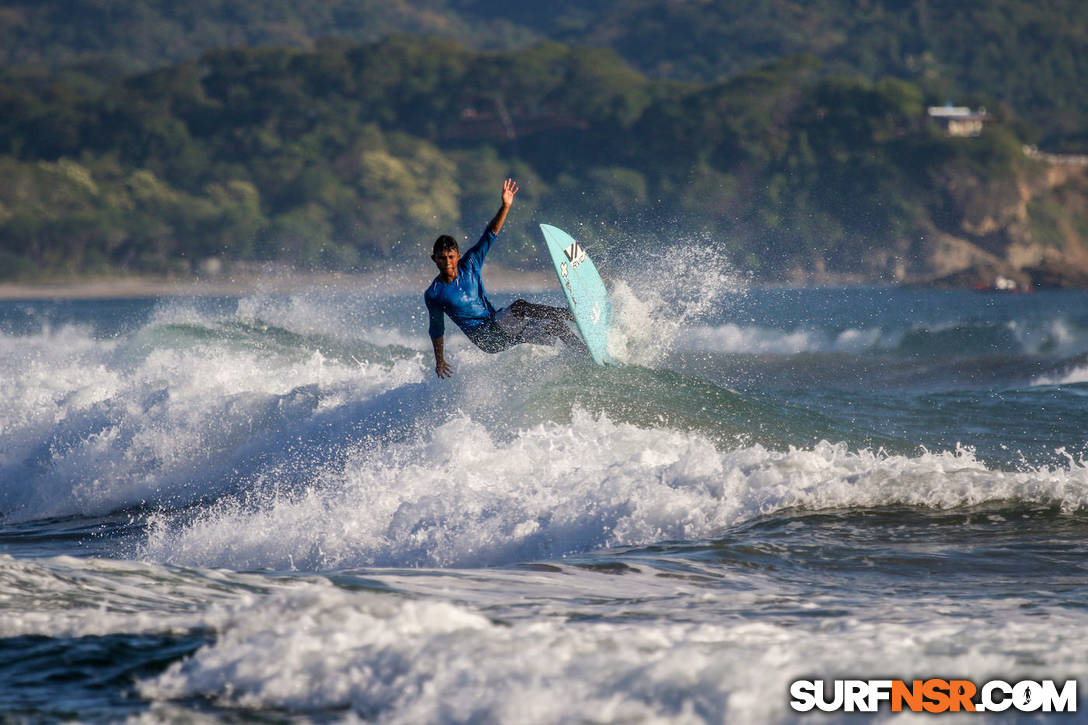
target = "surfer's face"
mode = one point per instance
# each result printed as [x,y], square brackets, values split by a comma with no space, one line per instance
[447,261]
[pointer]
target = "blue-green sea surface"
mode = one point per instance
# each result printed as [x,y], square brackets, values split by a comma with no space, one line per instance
[270,507]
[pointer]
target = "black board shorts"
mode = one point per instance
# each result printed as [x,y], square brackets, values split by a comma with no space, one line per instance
[493,337]
[489,337]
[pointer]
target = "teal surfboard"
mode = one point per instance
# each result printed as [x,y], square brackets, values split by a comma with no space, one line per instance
[585,292]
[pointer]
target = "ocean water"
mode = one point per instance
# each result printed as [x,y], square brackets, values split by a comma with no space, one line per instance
[270,508]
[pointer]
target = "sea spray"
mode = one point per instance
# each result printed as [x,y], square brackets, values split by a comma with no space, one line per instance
[659,293]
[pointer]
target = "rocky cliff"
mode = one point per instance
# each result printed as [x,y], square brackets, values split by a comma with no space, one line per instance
[1029,226]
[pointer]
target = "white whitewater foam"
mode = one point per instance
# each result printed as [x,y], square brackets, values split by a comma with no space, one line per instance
[1054,338]
[460,496]
[1057,337]
[1078,374]
[738,339]
[68,597]
[340,317]
[92,425]
[312,647]
[401,661]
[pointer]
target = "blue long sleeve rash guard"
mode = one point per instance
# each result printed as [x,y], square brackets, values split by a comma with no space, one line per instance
[464,299]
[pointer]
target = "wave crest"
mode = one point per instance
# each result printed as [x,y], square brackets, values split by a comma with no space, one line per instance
[461,496]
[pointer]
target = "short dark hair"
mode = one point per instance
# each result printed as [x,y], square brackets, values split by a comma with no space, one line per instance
[443,243]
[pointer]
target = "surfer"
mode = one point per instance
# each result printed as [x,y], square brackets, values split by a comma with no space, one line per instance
[458,291]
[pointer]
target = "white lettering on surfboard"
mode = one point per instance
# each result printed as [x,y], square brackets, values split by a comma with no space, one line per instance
[596,312]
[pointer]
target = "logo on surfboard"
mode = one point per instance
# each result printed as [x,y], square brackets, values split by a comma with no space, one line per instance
[575,254]
[563,268]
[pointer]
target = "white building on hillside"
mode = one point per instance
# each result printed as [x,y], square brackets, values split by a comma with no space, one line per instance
[959,120]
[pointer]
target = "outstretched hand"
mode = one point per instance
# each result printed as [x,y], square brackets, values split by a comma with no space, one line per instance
[509,188]
[443,369]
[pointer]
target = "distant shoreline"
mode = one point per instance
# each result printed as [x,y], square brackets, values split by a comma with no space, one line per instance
[498,279]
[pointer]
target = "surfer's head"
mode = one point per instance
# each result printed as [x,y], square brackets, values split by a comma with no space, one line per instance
[444,243]
[446,255]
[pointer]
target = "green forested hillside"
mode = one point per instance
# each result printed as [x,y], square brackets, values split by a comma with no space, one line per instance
[1029,54]
[344,155]
[1032,55]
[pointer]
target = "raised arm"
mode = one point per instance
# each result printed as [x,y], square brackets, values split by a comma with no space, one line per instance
[509,189]
[478,250]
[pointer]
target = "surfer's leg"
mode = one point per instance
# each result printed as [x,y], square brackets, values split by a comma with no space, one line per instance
[522,308]
[543,331]
[497,334]
[491,338]
[571,339]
